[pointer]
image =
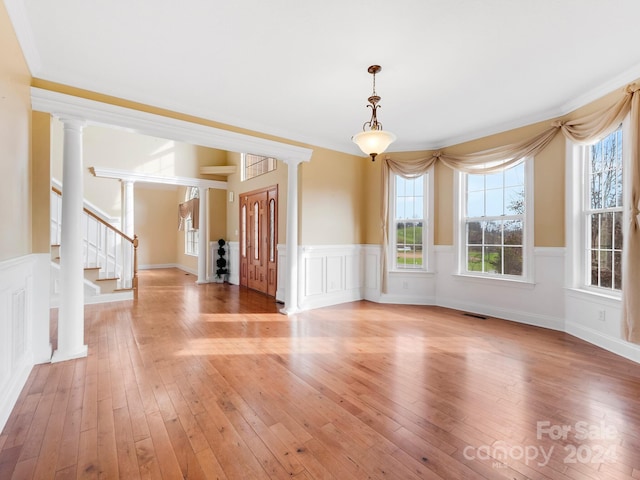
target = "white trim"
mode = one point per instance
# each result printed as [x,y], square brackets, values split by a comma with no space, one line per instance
[98,113]
[505,281]
[428,265]
[155,266]
[528,218]
[518,316]
[137,177]
[576,198]
[603,340]
[592,296]
[556,252]
[113,221]
[566,108]
[24,324]
[601,90]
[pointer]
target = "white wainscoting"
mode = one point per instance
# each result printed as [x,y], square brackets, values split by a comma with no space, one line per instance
[329,275]
[540,303]
[597,319]
[233,262]
[24,324]
[281,282]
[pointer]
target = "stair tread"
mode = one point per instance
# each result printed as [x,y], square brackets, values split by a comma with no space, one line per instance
[104,279]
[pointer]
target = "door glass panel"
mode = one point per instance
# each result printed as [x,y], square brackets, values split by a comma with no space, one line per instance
[272,231]
[256,232]
[243,229]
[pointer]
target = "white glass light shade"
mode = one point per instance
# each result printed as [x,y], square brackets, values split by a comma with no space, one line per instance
[373,142]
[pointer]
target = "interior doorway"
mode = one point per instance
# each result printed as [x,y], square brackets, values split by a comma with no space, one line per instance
[259,240]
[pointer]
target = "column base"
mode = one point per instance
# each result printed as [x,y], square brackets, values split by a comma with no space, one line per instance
[289,310]
[59,356]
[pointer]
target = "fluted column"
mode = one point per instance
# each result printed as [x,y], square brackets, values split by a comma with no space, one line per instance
[71,313]
[202,236]
[291,291]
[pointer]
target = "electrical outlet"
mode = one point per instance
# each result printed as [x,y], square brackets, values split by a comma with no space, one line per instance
[405,285]
[602,315]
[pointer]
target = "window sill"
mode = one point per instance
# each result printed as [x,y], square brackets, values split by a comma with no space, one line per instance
[588,294]
[426,273]
[503,282]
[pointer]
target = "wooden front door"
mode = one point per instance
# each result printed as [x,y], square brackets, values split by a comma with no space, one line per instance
[259,240]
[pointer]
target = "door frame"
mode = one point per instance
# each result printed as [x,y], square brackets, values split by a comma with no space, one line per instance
[268,241]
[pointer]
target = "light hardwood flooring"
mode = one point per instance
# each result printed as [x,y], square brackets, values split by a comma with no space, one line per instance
[211,382]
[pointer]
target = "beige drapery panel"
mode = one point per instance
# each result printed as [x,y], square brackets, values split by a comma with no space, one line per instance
[587,129]
[189,209]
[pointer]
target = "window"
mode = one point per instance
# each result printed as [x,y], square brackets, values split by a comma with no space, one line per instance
[410,234]
[190,235]
[494,221]
[254,165]
[602,212]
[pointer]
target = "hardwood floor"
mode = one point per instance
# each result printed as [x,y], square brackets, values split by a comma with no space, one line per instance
[211,382]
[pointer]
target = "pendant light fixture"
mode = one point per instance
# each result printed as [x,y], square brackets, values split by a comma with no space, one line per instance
[374,140]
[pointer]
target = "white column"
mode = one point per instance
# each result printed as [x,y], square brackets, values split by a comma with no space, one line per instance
[127,199]
[291,291]
[202,236]
[127,207]
[71,313]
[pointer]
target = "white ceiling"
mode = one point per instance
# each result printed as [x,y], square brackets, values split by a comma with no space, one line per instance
[452,70]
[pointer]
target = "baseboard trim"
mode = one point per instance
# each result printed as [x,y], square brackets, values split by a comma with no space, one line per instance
[615,345]
[526,318]
[10,395]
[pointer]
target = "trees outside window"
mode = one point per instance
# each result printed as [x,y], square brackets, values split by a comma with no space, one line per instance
[409,233]
[603,212]
[494,218]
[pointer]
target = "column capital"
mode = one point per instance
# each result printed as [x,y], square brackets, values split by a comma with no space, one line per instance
[71,122]
[294,162]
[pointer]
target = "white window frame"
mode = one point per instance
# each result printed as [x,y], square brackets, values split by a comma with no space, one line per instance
[427,226]
[191,236]
[264,158]
[577,230]
[460,182]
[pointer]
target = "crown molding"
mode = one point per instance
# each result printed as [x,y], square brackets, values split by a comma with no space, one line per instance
[138,177]
[104,114]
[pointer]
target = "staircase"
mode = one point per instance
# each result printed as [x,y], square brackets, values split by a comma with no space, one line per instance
[110,256]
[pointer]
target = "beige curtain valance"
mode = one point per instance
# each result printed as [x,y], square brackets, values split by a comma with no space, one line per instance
[584,130]
[189,209]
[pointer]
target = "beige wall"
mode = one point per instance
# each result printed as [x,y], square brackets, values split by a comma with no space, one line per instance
[40,181]
[217,214]
[549,183]
[277,177]
[15,123]
[122,150]
[340,194]
[156,224]
[334,198]
[330,193]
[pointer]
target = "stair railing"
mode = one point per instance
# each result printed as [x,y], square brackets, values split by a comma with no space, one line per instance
[103,245]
